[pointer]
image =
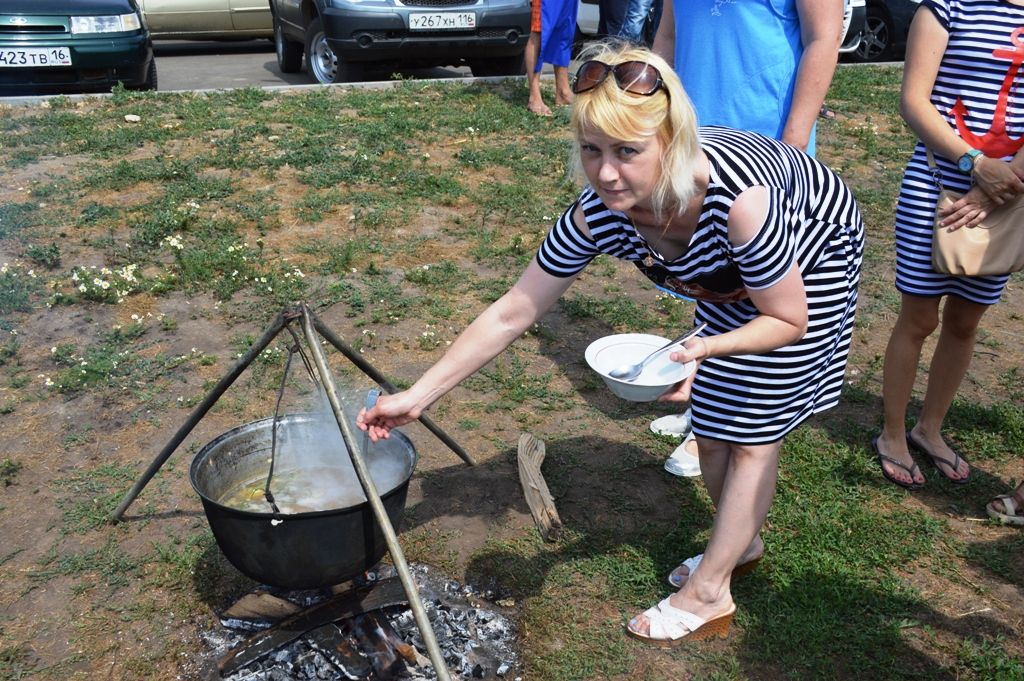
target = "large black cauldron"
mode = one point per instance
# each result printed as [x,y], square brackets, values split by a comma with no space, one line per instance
[308,549]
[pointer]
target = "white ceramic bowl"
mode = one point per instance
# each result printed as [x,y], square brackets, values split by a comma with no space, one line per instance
[610,352]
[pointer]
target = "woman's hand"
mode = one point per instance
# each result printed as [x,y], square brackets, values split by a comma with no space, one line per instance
[998,179]
[694,349]
[967,211]
[391,411]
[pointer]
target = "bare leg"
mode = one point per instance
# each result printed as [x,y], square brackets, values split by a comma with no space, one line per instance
[953,352]
[747,490]
[919,317]
[714,465]
[536,102]
[563,93]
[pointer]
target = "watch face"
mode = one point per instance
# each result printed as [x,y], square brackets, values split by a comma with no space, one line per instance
[966,164]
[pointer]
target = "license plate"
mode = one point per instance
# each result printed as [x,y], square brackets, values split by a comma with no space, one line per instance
[442,21]
[35,56]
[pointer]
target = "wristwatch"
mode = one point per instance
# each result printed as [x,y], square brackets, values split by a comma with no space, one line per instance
[966,162]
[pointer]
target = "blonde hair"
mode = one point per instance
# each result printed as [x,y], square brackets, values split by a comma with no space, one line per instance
[667,115]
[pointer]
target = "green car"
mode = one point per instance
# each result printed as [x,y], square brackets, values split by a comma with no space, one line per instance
[73,46]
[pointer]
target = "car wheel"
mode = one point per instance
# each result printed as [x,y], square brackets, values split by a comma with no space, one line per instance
[876,38]
[485,67]
[289,52]
[321,61]
[150,82]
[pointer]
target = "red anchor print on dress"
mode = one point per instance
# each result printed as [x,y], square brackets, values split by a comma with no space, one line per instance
[996,143]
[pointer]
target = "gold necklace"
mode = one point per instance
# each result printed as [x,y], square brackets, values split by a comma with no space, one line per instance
[648,259]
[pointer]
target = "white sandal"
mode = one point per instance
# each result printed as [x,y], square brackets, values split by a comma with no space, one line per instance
[668,626]
[682,461]
[692,562]
[673,424]
[1008,516]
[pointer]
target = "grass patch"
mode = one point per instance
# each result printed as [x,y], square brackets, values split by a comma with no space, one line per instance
[89,498]
[47,255]
[16,663]
[15,218]
[9,469]
[221,208]
[109,565]
[117,359]
[988,661]
[178,560]
[18,287]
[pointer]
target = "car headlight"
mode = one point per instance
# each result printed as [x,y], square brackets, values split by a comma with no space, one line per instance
[116,23]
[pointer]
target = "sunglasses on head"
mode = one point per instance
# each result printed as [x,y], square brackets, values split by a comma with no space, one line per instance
[635,77]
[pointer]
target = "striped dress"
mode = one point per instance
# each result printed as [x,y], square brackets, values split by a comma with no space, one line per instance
[981,69]
[812,218]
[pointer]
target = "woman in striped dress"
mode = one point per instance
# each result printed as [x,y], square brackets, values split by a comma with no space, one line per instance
[962,95]
[768,240]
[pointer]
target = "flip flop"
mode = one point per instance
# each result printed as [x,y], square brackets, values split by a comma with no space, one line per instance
[911,470]
[669,626]
[692,563]
[1009,514]
[913,443]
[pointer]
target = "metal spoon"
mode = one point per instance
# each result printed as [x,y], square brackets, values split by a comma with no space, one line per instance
[628,372]
[371,400]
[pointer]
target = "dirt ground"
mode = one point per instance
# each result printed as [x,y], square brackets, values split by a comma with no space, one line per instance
[77,624]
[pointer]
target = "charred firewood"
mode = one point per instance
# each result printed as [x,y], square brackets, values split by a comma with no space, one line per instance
[332,641]
[384,593]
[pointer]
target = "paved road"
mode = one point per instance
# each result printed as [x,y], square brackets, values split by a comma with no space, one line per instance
[206,65]
[216,65]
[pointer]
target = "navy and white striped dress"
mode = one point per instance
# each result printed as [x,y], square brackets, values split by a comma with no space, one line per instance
[981,65]
[812,218]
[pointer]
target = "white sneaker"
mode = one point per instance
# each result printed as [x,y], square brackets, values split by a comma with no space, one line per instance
[673,424]
[684,461]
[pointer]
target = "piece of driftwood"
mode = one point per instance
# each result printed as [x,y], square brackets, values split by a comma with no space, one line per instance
[538,498]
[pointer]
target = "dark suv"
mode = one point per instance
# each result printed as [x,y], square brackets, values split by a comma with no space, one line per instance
[340,37]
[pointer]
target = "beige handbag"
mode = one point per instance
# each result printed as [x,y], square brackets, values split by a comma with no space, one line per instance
[996,246]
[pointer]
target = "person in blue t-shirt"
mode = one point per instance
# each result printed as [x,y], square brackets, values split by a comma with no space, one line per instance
[760,65]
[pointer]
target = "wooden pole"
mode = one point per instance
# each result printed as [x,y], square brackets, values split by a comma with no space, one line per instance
[200,411]
[363,473]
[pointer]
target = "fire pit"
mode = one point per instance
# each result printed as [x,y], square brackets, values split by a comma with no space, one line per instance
[322,543]
[326,532]
[475,633]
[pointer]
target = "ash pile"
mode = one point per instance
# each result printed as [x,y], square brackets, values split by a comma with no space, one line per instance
[275,635]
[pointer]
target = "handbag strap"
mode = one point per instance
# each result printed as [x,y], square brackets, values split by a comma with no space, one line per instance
[934,169]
